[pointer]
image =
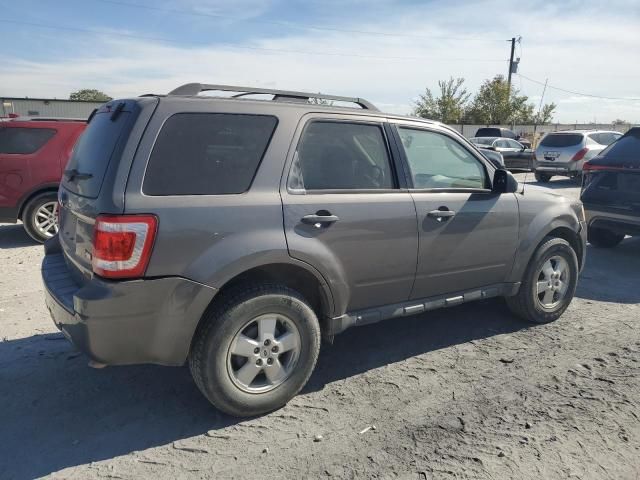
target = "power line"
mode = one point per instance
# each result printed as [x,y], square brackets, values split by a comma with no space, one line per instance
[239,46]
[577,93]
[292,25]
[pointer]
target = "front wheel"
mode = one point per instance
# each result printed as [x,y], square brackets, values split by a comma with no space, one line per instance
[603,238]
[549,283]
[255,349]
[40,217]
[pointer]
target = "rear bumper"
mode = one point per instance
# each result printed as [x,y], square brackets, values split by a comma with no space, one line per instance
[572,168]
[599,217]
[125,322]
[9,214]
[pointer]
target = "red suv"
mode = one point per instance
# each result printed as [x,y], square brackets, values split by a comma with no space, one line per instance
[33,154]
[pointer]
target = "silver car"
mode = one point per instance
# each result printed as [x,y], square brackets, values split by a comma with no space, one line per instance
[564,153]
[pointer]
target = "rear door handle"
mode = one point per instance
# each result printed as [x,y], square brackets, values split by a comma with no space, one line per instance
[319,219]
[440,215]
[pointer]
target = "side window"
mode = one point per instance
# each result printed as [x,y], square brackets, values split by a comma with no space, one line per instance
[596,137]
[341,156]
[502,144]
[207,154]
[438,161]
[19,140]
[514,144]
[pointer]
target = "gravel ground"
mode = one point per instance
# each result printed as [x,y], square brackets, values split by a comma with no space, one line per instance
[468,392]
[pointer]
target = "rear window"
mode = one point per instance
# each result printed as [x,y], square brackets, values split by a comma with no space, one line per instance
[488,132]
[20,140]
[562,140]
[207,154]
[627,149]
[92,153]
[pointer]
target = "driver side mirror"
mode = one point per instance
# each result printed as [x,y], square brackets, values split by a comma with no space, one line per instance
[504,182]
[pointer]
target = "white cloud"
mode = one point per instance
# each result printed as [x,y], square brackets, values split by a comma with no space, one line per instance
[597,59]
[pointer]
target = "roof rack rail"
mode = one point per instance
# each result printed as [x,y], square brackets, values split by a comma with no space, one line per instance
[278,95]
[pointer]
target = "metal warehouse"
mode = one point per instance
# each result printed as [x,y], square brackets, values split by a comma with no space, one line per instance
[46,107]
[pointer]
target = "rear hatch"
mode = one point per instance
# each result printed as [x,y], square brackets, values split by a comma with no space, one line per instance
[612,179]
[89,183]
[559,148]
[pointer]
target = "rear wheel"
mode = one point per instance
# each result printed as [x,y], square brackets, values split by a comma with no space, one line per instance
[40,216]
[255,349]
[601,238]
[549,283]
[542,177]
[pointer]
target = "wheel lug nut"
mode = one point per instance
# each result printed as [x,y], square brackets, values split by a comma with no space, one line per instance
[256,350]
[267,342]
[274,349]
[270,361]
[259,362]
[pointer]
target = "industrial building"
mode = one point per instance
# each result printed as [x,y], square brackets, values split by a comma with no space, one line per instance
[46,107]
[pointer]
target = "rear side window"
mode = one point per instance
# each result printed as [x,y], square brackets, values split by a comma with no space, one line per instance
[627,149]
[341,156]
[561,140]
[207,154]
[19,140]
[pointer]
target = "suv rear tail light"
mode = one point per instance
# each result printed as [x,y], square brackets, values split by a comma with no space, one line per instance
[580,154]
[122,245]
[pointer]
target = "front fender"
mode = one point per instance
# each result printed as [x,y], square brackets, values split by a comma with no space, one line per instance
[538,218]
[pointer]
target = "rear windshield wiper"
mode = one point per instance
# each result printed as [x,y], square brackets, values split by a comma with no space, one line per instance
[74,174]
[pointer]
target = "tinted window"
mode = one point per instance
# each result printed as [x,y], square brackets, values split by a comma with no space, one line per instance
[438,161]
[561,140]
[207,154]
[338,156]
[488,132]
[24,140]
[502,144]
[92,153]
[513,144]
[626,149]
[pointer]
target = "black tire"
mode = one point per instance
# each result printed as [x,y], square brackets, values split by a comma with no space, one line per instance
[29,215]
[601,238]
[542,177]
[224,320]
[525,303]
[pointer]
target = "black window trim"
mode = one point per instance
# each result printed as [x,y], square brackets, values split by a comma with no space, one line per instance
[488,169]
[392,155]
[255,174]
[55,132]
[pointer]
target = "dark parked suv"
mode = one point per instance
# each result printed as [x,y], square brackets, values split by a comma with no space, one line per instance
[234,233]
[611,191]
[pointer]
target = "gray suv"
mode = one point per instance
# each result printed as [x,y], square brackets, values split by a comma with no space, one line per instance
[235,233]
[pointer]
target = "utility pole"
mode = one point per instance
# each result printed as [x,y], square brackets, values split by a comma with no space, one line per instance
[513,49]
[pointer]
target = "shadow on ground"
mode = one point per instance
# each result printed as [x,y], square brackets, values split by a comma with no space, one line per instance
[14,236]
[612,274]
[56,412]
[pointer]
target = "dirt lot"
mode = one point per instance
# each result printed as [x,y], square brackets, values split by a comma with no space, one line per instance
[469,392]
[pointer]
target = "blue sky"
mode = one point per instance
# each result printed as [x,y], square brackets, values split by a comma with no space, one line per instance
[383,50]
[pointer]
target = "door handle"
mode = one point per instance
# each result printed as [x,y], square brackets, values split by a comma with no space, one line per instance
[440,215]
[319,219]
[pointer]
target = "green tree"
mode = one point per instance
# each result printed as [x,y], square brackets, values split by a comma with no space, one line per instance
[449,106]
[90,94]
[495,104]
[545,115]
